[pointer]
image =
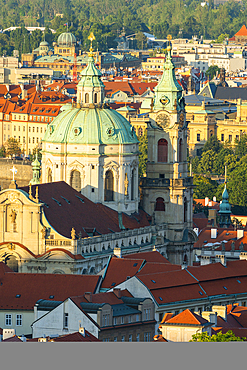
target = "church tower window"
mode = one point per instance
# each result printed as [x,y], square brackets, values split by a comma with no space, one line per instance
[49,175]
[162,150]
[185,209]
[86,98]
[180,150]
[160,205]
[95,98]
[109,194]
[75,180]
[133,184]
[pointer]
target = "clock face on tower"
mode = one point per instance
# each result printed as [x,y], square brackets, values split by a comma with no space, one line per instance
[163,120]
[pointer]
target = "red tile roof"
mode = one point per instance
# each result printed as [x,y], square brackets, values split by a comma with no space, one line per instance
[32,287]
[152,256]
[76,337]
[83,216]
[188,318]
[242,31]
[119,269]
[13,339]
[222,234]
[151,267]
[159,338]
[239,332]
[167,316]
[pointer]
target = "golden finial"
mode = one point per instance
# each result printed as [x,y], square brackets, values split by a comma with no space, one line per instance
[169,38]
[73,233]
[30,192]
[91,37]
[126,183]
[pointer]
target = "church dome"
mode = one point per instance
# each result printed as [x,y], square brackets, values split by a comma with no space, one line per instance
[90,125]
[44,43]
[66,39]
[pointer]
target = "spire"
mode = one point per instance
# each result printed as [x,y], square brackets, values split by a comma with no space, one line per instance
[90,89]
[36,171]
[225,208]
[168,93]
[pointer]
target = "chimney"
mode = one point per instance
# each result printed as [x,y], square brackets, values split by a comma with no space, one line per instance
[206,201]
[117,252]
[213,318]
[240,233]
[82,331]
[212,216]
[8,333]
[117,292]
[220,311]
[88,296]
[213,233]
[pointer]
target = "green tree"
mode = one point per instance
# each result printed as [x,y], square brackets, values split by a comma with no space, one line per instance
[213,143]
[219,337]
[237,185]
[241,146]
[222,38]
[207,162]
[199,208]
[205,187]
[212,71]
[143,156]
[2,152]
[12,147]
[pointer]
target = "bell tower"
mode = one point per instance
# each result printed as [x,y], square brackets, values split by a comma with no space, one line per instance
[167,189]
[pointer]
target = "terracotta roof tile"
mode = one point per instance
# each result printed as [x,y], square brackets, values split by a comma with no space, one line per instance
[177,294]
[153,256]
[32,287]
[167,316]
[242,31]
[187,317]
[76,337]
[167,279]
[222,234]
[82,215]
[119,269]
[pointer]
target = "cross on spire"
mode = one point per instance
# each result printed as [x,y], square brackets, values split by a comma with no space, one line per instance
[14,171]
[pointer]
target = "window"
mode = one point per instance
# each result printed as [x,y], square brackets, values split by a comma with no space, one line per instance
[160,316]
[41,130]
[33,129]
[198,137]
[185,209]
[19,139]
[106,320]
[138,337]
[24,139]
[147,337]
[29,140]
[49,175]
[33,140]
[180,150]
[123,338]
[95,98]
[109,193]
[137,317]
[19,128]
[14,128]
[147,314]
[29,129]
[115,339]
[237,137]
[4,137]
[114,321]
[162,150]
[122,319]
[75,180]
[129,318]
[86,98]
[160,205]
[8,319]
[37,129]
[19,117]
[230,138]
[66,320]
[222,137]
[18,320]
[23,128]
[140,131]
[130,337]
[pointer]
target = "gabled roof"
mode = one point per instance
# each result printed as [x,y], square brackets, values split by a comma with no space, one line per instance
[187,317]
[152,256]
[23,290]
[65,208]
[242,31]
[76,337]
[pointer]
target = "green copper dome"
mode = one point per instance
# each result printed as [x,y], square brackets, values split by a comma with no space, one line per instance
[66,39]
[90,126]
[90,76]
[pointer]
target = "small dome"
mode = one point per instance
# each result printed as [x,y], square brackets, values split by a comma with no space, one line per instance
[90,126]
[44,43]
[225,206]
[66,39]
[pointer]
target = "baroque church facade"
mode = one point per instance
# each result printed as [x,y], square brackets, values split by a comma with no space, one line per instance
[90,204]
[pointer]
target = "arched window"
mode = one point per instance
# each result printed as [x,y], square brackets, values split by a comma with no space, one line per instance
[162,150]
[49,175]
[86,98]
[160,205]
[95,98]
[140,131]
[75,180]
[185,209]
[12,263]
[133,184]
[180,150]
[109,194]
